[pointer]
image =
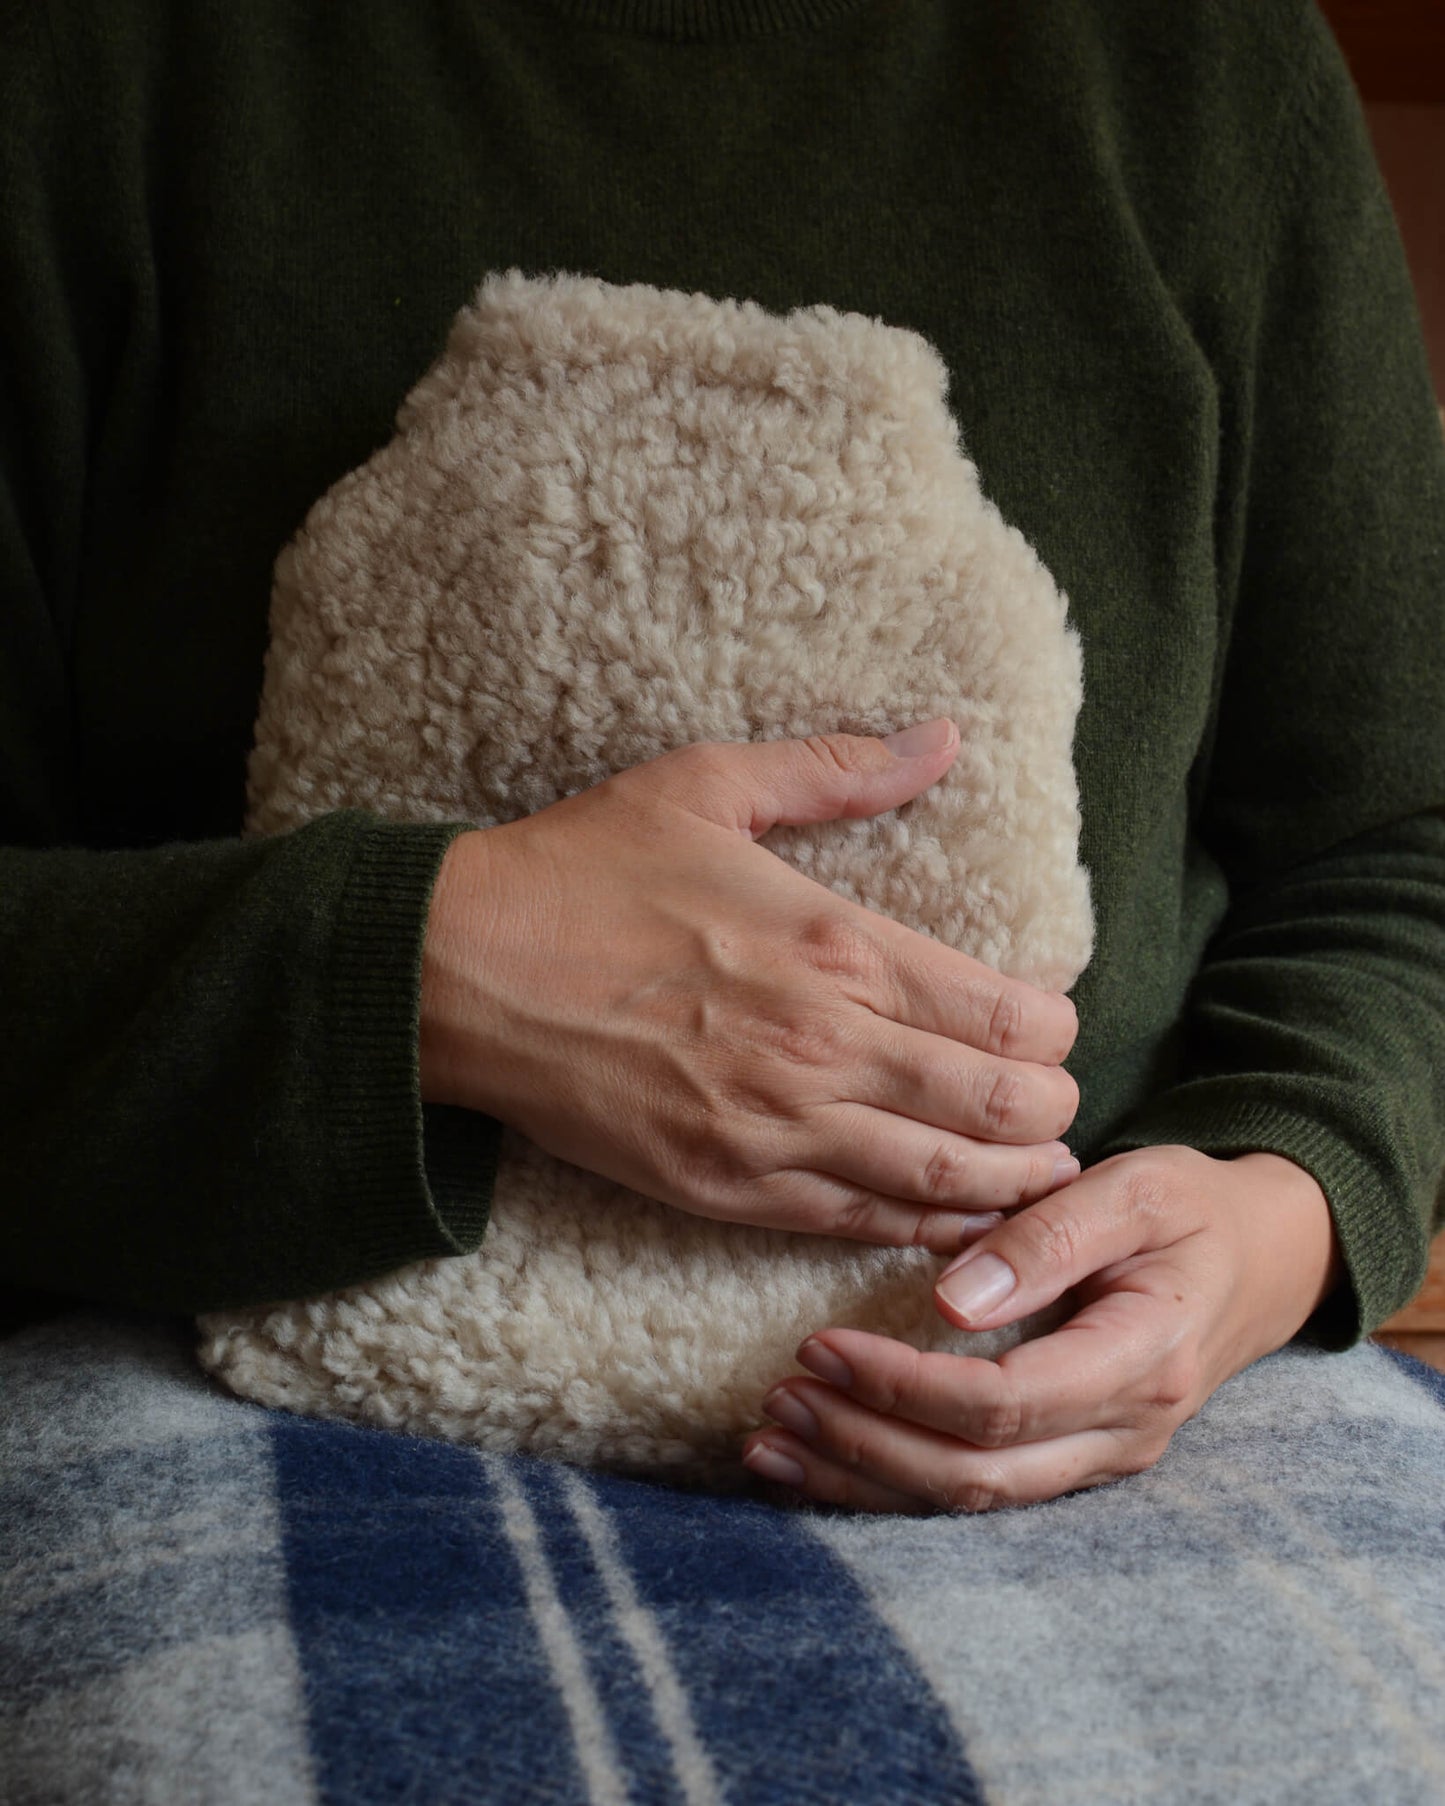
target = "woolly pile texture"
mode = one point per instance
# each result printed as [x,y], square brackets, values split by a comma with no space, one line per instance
[615,520]
[208,1603]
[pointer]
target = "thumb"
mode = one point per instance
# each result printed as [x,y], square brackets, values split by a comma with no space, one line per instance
[1095,1221]
[766,783]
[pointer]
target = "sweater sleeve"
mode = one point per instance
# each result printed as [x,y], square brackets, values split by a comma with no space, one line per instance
[208,1073]
[1315,1027]
[208,1051]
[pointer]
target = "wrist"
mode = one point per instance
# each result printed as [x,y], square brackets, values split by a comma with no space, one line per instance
[1292,1218]
[446,1054]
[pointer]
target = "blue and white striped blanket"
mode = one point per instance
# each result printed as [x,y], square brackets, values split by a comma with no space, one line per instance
[206,1602]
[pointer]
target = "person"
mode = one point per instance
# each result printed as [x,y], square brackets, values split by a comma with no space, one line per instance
[1156,256]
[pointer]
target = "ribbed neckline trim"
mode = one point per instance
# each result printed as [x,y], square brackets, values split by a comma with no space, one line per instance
[696,19]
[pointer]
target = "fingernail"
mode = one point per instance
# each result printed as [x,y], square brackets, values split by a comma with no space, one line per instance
[927,737]
[789,1410]
[773,1464]
[974,1224]
[975,1289]
[820,1359]
[1066,1170]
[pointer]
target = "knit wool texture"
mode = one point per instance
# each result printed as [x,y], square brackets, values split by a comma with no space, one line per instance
[615,520]
[1153,250]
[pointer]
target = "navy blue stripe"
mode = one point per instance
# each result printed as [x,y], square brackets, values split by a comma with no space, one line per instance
[801,1694]
[646,1759]
[424,1678]
[1423,1375]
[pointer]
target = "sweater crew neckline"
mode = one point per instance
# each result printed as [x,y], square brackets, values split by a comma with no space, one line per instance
[681,20]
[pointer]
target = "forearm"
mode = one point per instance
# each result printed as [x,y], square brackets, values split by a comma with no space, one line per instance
[208,1067]
[1316,1030]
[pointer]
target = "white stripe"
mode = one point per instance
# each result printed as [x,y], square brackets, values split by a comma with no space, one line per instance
[1348,1572]
[690,1760]
[1322,1622]
[595,1752]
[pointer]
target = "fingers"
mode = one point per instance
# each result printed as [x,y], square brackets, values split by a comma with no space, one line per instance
[912,979]
[932,987]
[852,1458]
[1120,1208]
[907,977]
[1095,1400]
[755,787]
[894,1155]
[965,1434]
[773,1455]
[758,785]
[972,1086]
[1110,1366]
[974,1093]
[813,1203]
[740,1002]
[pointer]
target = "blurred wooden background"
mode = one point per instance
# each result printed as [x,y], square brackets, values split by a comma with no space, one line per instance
[1396,52]
[1395,48]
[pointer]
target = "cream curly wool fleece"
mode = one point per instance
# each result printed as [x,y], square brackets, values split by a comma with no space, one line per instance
[614,520]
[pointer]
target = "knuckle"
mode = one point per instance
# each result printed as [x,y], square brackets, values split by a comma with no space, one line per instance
[800,1044]
[1172,1390]
[1143,1453]
[1053,1240]
[699,1181]
[946,1174]
[1006,1023]
[936,1230]
[696,776]
[1002,1101]
[711,1169]
[1035,1180]
[894,1392]
[854,1217]
[835,945]
[849,1445]
[712,1176]
[862,1219]
[811,1043]
[1149,1186]
[981,1489]
[703,761]
[998,1425]
[844,755]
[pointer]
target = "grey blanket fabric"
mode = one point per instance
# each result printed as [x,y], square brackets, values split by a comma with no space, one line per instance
[204,1601]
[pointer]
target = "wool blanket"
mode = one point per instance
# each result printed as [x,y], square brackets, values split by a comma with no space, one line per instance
[207,1601]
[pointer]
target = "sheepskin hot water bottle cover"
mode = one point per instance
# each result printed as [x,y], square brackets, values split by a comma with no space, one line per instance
[612,521]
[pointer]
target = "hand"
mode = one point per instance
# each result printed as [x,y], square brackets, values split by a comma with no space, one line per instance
[1187,1268]
[631,982]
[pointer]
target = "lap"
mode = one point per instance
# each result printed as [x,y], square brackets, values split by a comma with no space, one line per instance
[209,1600]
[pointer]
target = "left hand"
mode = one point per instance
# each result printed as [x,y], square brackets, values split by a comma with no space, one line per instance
[1186,1268]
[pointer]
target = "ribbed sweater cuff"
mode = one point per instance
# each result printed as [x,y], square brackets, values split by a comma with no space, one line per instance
[1224,1118]
[418,1182]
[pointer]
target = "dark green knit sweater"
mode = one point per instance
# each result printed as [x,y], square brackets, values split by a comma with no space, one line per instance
[1151,245]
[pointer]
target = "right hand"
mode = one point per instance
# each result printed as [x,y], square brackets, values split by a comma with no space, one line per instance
[639,989]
